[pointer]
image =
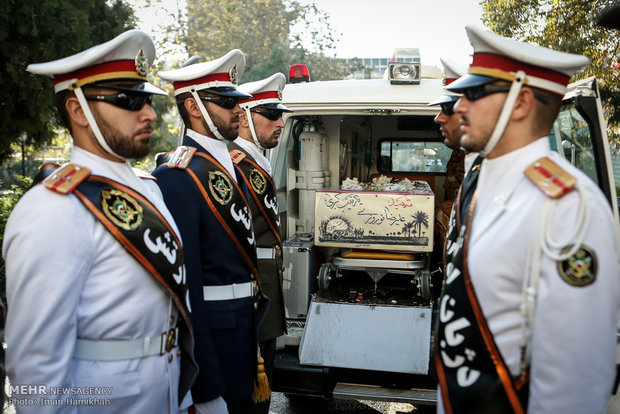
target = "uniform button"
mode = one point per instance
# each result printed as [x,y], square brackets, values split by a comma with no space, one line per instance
[179,352]
[255,305]
[252,276]
[170,358]
[171,320]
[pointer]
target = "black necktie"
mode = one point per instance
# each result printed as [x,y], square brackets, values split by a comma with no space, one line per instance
[468,189]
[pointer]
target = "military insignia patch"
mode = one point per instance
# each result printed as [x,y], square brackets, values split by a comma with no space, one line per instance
[220,187]
[280,94]
[580,269]
[122,209]
[142,63]
[257,181]
[234,74]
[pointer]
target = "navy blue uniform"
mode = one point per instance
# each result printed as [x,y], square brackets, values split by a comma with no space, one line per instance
[225,330]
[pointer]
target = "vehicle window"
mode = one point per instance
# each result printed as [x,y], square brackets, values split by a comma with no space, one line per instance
[400,156]
[570,136]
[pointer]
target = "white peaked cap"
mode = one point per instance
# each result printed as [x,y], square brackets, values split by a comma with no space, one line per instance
[452,71]
[265,92]
[499,58]
[127,57]
[220,76]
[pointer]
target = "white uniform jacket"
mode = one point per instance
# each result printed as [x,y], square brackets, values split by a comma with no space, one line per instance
[68,278]
[572,345]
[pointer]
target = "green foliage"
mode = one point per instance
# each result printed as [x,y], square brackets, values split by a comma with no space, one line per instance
[8,199]
[273,34]
[39,31]
[569,26]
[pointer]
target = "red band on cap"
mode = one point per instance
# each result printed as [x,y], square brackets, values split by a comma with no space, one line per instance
[221,77]
[108,67]
[450,80]
[492,61]
[263,95]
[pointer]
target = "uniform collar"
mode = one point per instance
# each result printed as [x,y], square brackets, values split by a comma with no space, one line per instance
[216,148]
[118,171]
[255,153]
[500,176]
[123,173]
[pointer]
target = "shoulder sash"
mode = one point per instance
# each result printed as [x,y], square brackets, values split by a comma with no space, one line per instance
[227,202]
[472,373]
[262,189]
[141,229]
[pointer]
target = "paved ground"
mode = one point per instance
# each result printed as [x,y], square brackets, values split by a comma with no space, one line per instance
[282,404]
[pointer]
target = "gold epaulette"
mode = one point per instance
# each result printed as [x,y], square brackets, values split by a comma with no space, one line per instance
[237,156]
[182,157]
[65,179]
[550,178]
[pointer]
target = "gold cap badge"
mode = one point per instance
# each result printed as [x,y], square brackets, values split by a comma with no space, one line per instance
[142,63]
[234,74]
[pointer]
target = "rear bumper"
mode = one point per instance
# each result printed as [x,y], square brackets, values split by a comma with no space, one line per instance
[291,377]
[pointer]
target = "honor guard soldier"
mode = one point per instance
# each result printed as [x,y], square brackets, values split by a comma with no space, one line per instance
[451,133]
[527,319]
[95,272]
[210,202]
[260,128]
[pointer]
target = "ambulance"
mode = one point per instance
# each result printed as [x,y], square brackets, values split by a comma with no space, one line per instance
[359,170]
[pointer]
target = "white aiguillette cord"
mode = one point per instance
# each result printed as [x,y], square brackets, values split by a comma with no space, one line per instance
[542,243]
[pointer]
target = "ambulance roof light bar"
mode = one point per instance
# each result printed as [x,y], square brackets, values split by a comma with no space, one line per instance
[298,73]
[404,67]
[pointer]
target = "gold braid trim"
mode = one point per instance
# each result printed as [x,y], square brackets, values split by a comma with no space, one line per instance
[494,73]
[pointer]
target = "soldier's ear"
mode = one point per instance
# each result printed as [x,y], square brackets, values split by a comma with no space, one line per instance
[192,108]
[243,120]
[524,105]
[75,112]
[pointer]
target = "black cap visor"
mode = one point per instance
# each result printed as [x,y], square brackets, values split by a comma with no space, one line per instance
[275,105]
[130,86]
[444,99]
[469,81]
[228,91]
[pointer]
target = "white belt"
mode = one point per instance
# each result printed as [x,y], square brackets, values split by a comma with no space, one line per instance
[114,350]
[227,292]
[267,252]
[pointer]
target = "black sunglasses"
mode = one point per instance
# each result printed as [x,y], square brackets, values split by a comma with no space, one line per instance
[476,92]
[481,91]
[131,101]
[271,114]
[226,102]
[448,108]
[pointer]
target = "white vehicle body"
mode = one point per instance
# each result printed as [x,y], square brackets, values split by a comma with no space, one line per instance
[380,346]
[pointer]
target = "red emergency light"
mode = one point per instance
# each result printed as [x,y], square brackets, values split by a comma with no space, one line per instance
[298,73]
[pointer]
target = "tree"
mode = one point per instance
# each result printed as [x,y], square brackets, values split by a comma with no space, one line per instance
[569,26]
[38,31]
[273,34]
[420,218]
